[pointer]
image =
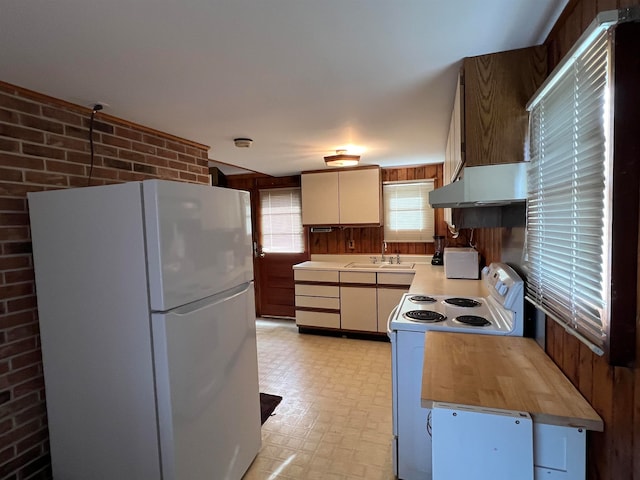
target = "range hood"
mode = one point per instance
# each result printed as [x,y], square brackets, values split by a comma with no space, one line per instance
[484,186]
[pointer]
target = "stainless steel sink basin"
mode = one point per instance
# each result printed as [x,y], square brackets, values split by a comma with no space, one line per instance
[381,266]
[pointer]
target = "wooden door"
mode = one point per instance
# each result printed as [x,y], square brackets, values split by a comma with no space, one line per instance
[277,251]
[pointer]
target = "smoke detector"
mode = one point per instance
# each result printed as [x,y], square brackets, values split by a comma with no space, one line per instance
[242,142]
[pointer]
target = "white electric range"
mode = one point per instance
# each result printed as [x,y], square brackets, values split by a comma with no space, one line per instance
[501,312]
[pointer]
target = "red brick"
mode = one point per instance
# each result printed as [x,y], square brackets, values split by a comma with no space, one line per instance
[168,174]
[141,168]
[6,455]
[6,425]
[76,132]
[20,161]
[158,162]
[178,147]
[166,153]
[183,157]
[13,103]
[29,358]
[144,148]
[24,331]
[7,116]
[153,140]
[46,178]
[115,163]
[66,142]
[133,156]
[18,261]
[37,410]
[77,157]
[16,276]
[12,204]
[64,167]
[34,439]
[177,165]
[82,181]
[98,126]
[62,115]
[16,348]
[39,123]
[188,176]
[22,318]
[128,133]
[204,179]
[20,461]
[16,248]
[15,233]
[25,388]
[42,151]
[131,177]
[16,290]
[116,141]
[18,190]
[105,150]
[13,219]
[21,133]
[104,173]
[19,304]
[9,175]
[7,145]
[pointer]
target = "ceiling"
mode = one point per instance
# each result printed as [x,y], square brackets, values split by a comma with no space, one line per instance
[302,78]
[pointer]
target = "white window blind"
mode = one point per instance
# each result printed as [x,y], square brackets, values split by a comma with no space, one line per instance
[281,220]
[408,217]
[568,204]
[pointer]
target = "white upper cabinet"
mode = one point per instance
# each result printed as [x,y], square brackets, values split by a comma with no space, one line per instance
[344,197]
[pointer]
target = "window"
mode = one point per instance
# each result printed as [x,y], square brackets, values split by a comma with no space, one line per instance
[281,221]
[408,217]
[569,192]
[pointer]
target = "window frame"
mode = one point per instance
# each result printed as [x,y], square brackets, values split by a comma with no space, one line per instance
[410,238]
[619,342]
[265,248]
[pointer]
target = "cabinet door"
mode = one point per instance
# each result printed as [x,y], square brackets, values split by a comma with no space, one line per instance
[388,298]
[359,192]
[358,308]
[320,198]
[496,89]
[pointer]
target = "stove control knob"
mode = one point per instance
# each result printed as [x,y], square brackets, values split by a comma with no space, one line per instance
[502,289]
[485,271]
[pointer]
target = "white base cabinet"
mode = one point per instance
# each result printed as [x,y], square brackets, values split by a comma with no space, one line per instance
[317,298]
[358,301]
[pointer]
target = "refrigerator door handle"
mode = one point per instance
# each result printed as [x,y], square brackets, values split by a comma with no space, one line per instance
[213,300]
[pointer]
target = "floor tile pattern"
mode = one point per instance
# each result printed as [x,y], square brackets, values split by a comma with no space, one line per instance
[334,421]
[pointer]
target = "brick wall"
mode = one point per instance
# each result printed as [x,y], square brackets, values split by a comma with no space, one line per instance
[44,144]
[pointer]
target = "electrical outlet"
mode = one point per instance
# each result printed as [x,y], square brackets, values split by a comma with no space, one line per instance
[352,244]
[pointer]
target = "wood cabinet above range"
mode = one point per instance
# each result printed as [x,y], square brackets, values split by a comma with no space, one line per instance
[342,197]
[489,121]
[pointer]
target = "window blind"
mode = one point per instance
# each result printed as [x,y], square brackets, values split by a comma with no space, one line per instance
[281,220]
[568,204]
[407,213]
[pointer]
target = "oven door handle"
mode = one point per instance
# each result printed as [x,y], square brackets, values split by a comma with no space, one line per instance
[391,315]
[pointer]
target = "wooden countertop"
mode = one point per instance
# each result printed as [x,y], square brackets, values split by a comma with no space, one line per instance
[508,373]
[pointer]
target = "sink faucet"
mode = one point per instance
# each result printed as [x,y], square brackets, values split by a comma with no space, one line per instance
[384,248]
[398,258]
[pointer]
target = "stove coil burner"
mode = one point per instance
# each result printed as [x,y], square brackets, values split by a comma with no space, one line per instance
[463,302]
[425,316]
[421,299]
[473,320]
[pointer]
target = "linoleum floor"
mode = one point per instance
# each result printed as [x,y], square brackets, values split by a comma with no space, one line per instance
[334,421]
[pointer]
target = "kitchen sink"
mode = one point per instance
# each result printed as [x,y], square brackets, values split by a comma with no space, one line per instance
[381,266]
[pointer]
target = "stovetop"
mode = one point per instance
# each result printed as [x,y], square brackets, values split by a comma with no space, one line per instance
[500,313]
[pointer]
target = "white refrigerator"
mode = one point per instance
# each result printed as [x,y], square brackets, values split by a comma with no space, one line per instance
[147,324]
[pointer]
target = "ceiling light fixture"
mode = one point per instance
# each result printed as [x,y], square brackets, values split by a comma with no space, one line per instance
[341,159]
[242,142]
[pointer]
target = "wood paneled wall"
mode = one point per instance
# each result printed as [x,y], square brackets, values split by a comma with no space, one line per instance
[614,392]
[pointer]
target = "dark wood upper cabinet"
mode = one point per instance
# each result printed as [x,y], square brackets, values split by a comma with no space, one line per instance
[497,88]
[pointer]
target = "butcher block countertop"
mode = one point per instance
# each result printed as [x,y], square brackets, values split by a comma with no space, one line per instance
[507,373]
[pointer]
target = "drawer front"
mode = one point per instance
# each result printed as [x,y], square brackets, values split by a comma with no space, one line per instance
[386,278]
[358,277]
[317,302]
[317,319]
[318,290]
[316,275]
